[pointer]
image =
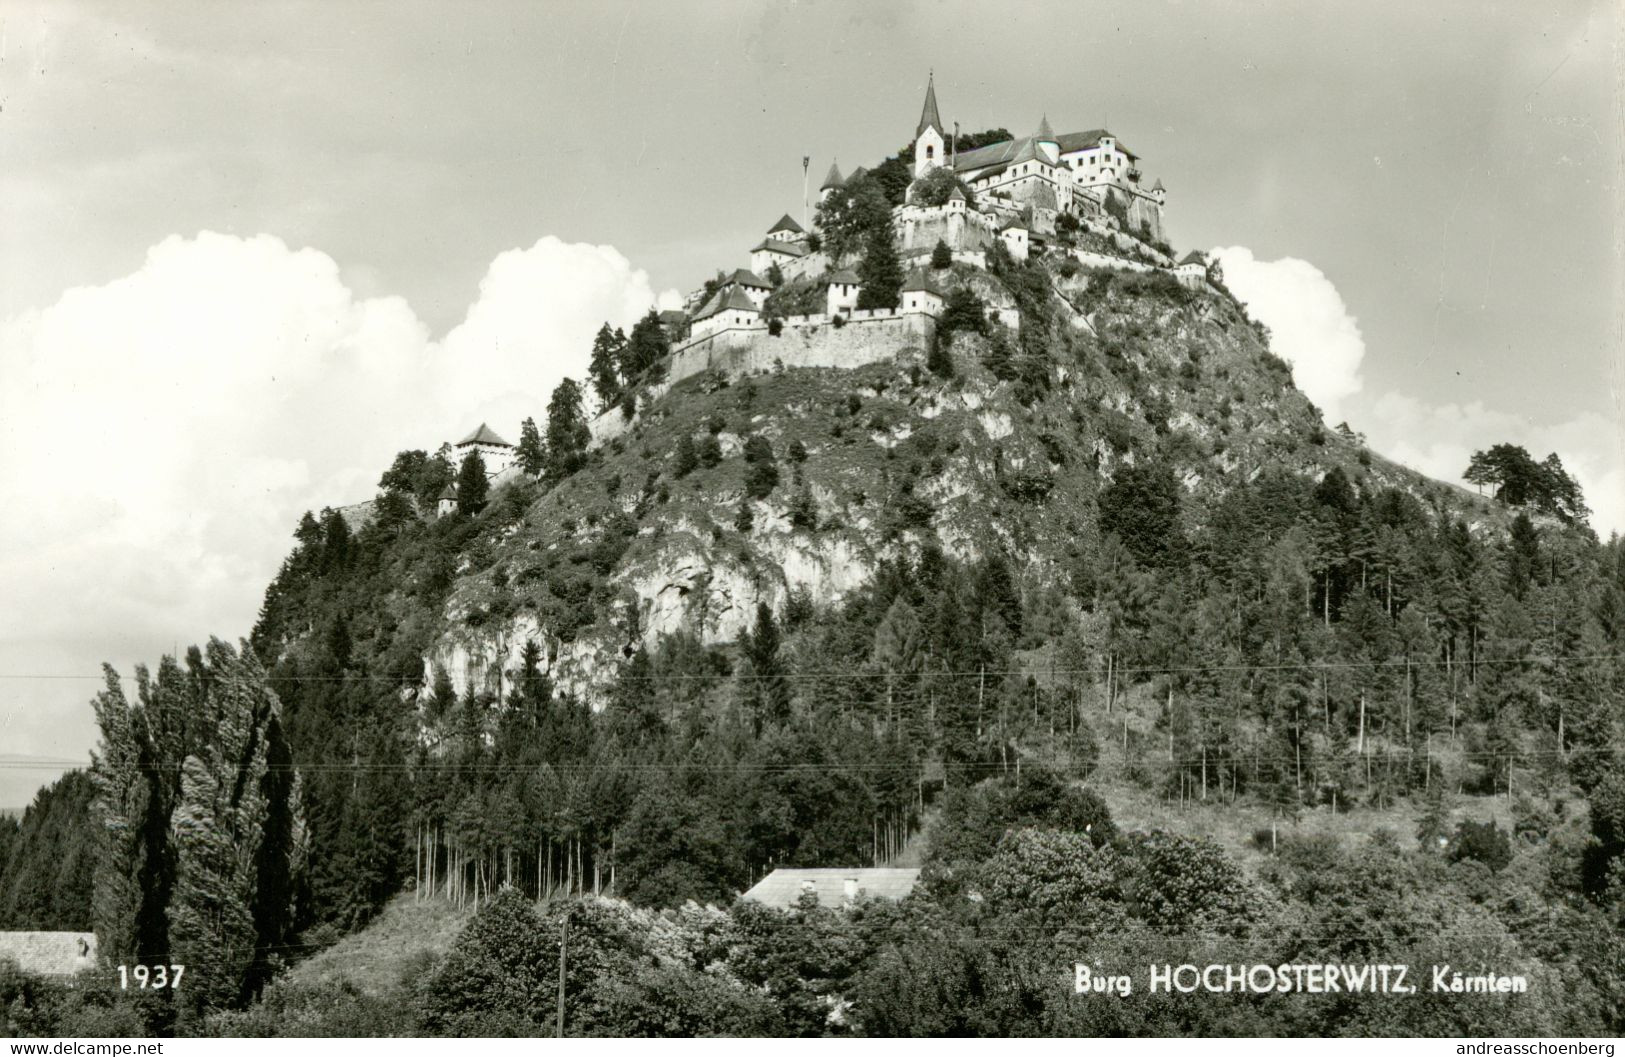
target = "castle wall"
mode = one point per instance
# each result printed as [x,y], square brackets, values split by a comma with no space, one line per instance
[869,336]
[920,227]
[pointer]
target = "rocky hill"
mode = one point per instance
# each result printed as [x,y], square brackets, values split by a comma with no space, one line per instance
[1009,452]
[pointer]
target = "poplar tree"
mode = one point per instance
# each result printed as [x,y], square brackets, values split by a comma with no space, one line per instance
[604,370]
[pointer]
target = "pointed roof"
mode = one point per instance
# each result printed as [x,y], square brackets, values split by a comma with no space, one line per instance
[1014,223]
[1045,133]
[787,223]
[855,173]
[1194,257]
[846,277]
[1158,185]
[929,117]
[787,249]
[448,492]
[732,298]
[956,195]
[920,281]
[746,277]
[833,181]
[484,435]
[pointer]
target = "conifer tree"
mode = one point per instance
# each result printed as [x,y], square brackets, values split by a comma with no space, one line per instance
[941,255]
[472,487]
[604,369]
[646,350]
[880,270]
[532,456]
[567,433]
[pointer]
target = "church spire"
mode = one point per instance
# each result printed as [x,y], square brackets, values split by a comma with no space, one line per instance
[928,115]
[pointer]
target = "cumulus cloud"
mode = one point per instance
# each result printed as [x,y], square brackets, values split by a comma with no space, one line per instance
[163,432]
[1312,329]
[1310,326]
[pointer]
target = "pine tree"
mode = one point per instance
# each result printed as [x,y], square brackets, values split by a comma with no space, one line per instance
[686,458]
[646,350]
[472,487]
[532,456]
[941,255]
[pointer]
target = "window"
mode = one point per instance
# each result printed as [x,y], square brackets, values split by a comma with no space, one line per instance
[930,151]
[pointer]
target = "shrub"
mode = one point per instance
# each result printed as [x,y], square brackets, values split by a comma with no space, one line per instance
[1483,842]
[762,472]
[775,327]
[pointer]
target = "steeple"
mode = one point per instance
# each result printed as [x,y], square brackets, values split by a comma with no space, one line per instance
[1045,133]
[928,115]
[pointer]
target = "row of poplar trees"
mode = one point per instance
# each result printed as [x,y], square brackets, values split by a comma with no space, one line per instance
[201,831]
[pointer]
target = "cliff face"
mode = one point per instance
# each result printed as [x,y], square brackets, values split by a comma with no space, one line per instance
[878,460]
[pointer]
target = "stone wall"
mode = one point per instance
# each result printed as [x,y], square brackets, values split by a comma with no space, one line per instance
[868,336]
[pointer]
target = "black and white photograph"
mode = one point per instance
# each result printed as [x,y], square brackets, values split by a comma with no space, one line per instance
[542,519]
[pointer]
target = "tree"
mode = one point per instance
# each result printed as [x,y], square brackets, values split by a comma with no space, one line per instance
[646,350]
[767,693]
[850,216]
[472,485]
[880,270]
[1141,506]
[567,432]
[532,456]
[963,312]
[761,470]
[941,255]
[604,369]
[686,458]
[934,188]
[1519,480]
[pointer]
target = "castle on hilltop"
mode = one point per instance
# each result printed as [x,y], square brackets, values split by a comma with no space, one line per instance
[1077,198]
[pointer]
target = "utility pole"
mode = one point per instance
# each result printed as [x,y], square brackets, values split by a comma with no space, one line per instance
[564,942]
[953,164]
[806,218]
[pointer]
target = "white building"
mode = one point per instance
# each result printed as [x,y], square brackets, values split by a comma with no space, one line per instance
[754,286]
[1191,269]
[1015,237]
[842,291]
[920,294]
[496,453]
[729,309]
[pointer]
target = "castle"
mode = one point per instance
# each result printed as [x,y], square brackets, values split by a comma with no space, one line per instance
[1076,195]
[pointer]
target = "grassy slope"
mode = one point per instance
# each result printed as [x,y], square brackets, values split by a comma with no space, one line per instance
[394,945]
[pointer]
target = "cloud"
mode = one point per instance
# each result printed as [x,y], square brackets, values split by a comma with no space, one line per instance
[1313,330]
[161,434]
[1310,326]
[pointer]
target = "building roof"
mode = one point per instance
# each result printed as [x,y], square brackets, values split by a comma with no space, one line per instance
[783,887]
[746,277]
[921,282]
[448,492]
[789,249]
[1158,185]
[956,195]
[1014,223]
[833,181]
[1071,141]
[787,223]
[1194,257]
[673,315]
[731,298]
[1045,133]
[484,435]
[49,953]
[845,275]
[928,114]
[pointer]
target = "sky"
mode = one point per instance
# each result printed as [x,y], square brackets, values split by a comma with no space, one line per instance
[249,252]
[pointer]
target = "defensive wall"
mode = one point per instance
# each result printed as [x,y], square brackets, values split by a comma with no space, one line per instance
[868,336]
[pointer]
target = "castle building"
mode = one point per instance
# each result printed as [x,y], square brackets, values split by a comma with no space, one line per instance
[752,285]
[1068,172]
[920,294]
[929,138]
[728,308]
[1191,269]
[832,183]
[843,287]
[496,453]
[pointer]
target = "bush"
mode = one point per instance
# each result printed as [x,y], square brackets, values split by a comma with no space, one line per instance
[1483,842]
[775,327]
[941,255]
[761,472]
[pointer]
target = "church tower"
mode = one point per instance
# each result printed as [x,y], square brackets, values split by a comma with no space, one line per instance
[930,143]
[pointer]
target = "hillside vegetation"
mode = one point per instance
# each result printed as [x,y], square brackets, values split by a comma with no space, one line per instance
[1111,571]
